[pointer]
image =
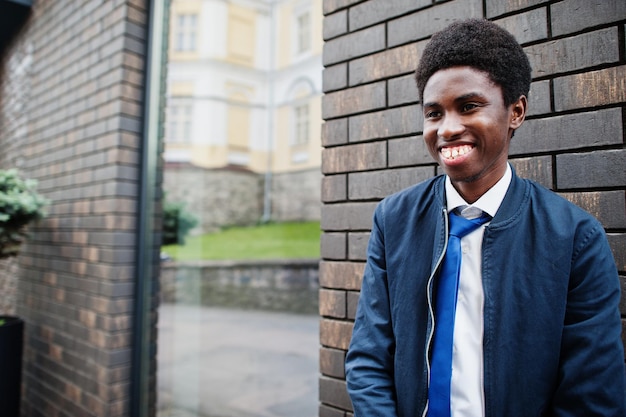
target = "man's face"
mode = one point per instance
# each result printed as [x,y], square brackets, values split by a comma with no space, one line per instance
[467,128]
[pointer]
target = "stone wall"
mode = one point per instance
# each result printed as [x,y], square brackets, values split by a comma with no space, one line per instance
[234,196]
[296,195]
[71,117]
[277,285]
[216,197]
[572,141]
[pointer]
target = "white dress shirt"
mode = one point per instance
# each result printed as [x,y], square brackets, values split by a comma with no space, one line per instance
[467,389]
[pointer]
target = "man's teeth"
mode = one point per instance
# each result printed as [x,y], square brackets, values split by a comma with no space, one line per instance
[451,153]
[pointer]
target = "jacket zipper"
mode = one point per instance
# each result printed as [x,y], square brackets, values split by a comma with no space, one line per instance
[430,303]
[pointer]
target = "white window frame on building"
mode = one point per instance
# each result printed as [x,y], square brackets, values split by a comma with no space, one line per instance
[179,121]
[186,32]
[301,124]
[303,38]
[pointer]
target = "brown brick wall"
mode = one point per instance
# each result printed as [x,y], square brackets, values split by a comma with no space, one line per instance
[8,286]
[572,141]
[71,110]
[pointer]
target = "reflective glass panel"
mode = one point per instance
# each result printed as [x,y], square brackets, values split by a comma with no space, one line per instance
[238,315]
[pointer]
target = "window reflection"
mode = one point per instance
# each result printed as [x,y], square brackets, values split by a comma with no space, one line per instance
[238,326]
[185,32]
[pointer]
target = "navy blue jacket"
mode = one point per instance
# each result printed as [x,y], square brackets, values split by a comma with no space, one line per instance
[552,344]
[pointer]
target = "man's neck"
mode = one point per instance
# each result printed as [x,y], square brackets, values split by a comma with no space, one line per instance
[489,202]
[471,191]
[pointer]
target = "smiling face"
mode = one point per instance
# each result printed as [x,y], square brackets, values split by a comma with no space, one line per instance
[467,128]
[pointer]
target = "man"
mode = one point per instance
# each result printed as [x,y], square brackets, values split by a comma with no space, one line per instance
[535,327]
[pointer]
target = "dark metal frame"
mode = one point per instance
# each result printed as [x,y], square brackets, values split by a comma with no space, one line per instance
[147,244]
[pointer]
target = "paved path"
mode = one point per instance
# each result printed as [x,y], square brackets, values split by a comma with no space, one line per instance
[215,362]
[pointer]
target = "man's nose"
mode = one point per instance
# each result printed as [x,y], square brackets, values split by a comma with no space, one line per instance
[450,127]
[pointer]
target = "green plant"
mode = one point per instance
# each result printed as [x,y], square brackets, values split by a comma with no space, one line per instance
[20,205]
[177,222]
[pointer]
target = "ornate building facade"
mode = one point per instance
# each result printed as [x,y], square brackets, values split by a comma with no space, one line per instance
[244,97]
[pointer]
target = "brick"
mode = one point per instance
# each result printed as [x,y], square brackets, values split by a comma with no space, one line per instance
[335,24]
[409,151]
[358,157]
[374,11]
[617,241]
[538,168]
[495,8]
[135,30]
[574,131]
[347,216]
[335,132]
[112,239]
[574,15]
[333,392]
[423,24]
[328,411]
[335,334]
[574,53]
[379,184]
[333,246]
[401,121]
[136,15]
[354,100]
[354,45]
[539,101]
[341,275]
[332,303]
[115,323]
[527,27]
[352,304]
[334,188]
[332,362]
[357,246]
[590,89]
[385,64]
[402,90]
[592,169]
[335,77]
[331,6]
[609,207]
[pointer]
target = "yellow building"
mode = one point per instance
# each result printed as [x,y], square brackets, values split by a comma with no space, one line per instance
[244,84]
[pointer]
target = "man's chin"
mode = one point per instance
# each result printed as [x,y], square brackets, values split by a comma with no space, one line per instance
[463,177]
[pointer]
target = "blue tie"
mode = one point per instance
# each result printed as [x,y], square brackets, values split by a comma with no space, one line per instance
[445,308]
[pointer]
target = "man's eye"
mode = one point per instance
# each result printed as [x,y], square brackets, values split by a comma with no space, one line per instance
[469,106]
[432,114]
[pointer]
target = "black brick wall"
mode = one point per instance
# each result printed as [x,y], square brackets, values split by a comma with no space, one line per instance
[571,142]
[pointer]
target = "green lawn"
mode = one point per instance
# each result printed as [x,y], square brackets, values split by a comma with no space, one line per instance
[269,241]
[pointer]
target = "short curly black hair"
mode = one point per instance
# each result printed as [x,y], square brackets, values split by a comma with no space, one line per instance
[483,45]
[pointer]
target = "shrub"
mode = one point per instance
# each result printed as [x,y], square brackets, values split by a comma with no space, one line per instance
[177,222]
[20,205]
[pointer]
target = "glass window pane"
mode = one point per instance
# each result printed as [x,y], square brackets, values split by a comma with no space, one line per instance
[304,32]
[238,317]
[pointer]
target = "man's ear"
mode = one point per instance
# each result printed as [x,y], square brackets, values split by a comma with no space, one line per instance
[518,112]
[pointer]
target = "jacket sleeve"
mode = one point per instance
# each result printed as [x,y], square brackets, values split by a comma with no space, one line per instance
[592,378]
[369,361]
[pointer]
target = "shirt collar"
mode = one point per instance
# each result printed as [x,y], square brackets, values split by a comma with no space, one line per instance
[488,202]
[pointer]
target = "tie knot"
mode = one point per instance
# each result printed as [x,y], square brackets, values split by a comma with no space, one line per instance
[469,212]
[460,226]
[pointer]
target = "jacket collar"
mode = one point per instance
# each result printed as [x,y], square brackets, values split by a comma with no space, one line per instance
[516,195]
